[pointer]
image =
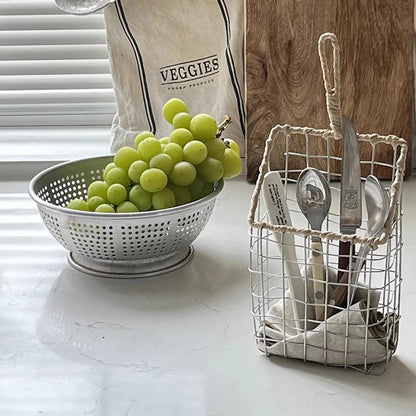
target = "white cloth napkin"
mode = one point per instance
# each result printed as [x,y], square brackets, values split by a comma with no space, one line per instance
[355,336]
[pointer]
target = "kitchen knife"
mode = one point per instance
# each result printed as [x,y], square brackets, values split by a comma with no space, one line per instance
[350,200]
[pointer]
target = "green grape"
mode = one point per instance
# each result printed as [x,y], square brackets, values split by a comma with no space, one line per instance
[105,208]
[108,167]
[174,151]
[203,127]
[183,194]
[164,140]
[149,147]
[141,136]
[196,186]
[141,198]
[125,156]
[206,189]
[117,175]
[153,180]
[210,170]
[94,201]
[232,144]
[183,173]
[232,163]
[162,161]
[163,199]
[195,152]
[181,136]
[197,196]
[136,169]
[97,188]
[216,148]
[116,193]
[127,206]
[182,119]
[78,204]
[173,107]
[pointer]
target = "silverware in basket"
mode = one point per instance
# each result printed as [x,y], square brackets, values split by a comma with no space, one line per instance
[364,336]
[314,199]
[377,204]
[350,201]
[278,214]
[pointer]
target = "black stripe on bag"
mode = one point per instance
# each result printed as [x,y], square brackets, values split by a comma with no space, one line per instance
[140,67]
[231,65]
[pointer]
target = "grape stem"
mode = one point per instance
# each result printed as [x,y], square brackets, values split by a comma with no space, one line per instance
[223,126]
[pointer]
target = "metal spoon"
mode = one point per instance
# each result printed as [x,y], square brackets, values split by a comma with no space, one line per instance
[377,204]
[82,6]
[314,199]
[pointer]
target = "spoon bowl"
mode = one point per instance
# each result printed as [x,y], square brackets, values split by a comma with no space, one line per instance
[313,196]
[314,199]
[377,205]
[82,6]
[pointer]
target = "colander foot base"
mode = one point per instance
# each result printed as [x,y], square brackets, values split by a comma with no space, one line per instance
[131,269]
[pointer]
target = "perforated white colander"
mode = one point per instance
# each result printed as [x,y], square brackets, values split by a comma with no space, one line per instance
[138,244]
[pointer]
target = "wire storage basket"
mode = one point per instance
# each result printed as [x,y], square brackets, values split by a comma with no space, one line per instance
[361,332]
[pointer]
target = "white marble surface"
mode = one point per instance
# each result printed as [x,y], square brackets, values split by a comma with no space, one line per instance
[179,344]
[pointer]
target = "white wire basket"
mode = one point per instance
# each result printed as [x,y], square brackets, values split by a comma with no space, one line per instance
[363,334]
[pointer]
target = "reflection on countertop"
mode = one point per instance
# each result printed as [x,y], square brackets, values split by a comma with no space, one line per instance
[175,344]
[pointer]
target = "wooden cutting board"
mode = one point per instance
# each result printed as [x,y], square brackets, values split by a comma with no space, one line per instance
[283,74]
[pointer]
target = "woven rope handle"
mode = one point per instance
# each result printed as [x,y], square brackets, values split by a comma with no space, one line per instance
[335,117]
[333,102]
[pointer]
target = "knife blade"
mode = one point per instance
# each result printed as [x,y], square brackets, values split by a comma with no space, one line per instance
[350,199]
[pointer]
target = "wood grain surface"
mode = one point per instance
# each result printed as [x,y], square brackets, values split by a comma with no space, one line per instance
[284,80]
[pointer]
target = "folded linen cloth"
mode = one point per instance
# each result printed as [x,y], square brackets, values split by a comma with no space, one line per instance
[286,319]
[354,336]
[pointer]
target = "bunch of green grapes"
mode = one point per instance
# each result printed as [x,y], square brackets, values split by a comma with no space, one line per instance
[165,172]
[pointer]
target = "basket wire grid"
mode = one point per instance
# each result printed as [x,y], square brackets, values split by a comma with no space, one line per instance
[363,335]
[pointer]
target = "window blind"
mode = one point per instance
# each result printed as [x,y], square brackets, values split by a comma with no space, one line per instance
[54,68]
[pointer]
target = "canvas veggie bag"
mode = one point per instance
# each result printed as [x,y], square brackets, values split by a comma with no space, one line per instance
[159,49]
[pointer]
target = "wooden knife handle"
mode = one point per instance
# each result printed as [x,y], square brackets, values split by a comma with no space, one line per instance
[344,250]
[339,295]
[318,279]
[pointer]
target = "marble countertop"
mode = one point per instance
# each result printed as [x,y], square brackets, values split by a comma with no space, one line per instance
[178,344]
